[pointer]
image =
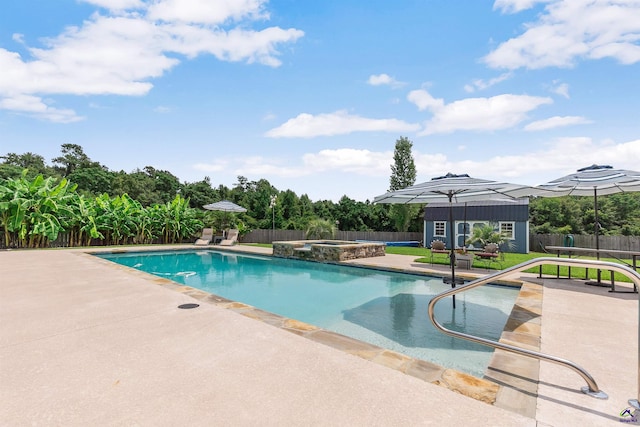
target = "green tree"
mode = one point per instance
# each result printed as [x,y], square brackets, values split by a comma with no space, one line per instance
[403,169]
[403,175]
[73,157]
[325,209]
[165,184]
[93,180]
[351,214]
[16,163]
[290,209]
[25,161]
[557,215]
[200,193]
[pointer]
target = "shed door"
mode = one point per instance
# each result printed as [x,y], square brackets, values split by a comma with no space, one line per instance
[463,230]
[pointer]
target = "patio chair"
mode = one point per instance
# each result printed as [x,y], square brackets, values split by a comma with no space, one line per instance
[205,239]
[231,238]
[438,247]
[490,253]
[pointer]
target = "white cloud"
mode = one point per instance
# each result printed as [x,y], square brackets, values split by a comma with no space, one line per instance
[119,53]
[475,114]
[361,162]
[116,4]
[215,166]
[480,84]
[18,37]
[162,109]
[562,90]
[234,45]
[338,123]
[552,160]
[514,6]
[341,160]
[33,105]
[274,167]
[207,11]
[549,160]
[383,79]
[556,122]
[570,30]
[562,156]
[424,101]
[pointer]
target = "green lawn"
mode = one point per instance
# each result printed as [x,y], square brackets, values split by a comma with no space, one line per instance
[510,259]
[261,245]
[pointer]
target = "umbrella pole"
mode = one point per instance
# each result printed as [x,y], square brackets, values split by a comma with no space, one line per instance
[452,256]
[464,228]
[597,227]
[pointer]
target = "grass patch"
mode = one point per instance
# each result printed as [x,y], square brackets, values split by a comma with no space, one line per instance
[511,259]
[260,245]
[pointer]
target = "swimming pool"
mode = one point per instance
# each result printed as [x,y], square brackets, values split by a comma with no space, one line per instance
[387,309]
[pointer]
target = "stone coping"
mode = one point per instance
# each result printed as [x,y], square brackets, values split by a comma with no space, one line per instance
[510,381]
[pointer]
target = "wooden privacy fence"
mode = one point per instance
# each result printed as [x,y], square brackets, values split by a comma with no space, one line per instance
[536,241]
[622,243]
[268,236]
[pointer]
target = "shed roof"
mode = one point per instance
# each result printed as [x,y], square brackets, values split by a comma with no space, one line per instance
[508,210]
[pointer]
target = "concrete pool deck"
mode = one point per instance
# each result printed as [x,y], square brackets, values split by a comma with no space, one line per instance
[83,342]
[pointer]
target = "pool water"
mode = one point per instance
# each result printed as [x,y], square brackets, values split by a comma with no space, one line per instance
[387,309]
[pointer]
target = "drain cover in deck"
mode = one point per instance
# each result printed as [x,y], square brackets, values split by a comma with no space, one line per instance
[188,306]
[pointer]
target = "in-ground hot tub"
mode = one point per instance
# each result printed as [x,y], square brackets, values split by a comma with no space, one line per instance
[327,250]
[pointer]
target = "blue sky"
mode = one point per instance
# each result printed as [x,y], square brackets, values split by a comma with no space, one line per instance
[312,95]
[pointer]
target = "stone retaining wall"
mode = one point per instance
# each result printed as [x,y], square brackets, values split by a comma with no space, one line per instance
[327,250]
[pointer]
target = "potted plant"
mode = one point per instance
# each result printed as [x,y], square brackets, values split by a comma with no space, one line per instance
[489,233]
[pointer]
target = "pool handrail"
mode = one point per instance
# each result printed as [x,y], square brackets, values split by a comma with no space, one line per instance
[592,388]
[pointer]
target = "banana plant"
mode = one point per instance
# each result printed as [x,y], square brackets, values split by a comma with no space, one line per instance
[82,224]
[115,217]
[33,212]
[12,212]
[50,203]
[178,220]
[32,209]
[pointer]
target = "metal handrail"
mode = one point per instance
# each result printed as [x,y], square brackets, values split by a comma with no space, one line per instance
[592,388]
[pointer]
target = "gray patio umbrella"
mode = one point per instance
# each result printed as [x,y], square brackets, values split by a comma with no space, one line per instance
[461,187]
[225,206]
[591,181]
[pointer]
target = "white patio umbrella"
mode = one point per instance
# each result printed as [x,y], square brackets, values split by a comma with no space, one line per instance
[225,206]
[594,180]
[462,188]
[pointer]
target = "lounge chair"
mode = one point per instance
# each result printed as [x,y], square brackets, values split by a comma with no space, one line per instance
[205,239]
[231,238]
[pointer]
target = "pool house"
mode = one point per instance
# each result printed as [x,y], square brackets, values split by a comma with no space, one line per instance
[509,216]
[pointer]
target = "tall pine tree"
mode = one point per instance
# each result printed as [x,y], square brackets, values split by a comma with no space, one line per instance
[403,175]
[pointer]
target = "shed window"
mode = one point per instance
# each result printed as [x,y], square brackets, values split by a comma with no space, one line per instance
[508,230]
[439,228]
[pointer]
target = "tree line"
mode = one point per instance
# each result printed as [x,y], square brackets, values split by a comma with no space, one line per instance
[94,192]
